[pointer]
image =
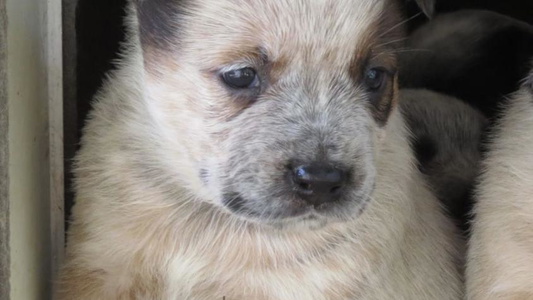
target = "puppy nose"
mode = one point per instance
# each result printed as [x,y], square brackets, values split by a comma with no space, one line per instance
[318,184]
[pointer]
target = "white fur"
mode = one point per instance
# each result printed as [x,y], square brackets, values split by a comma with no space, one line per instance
[500,262]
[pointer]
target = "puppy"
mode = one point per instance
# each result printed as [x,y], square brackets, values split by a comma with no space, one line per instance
[447,138]
[500,259]
[253,150]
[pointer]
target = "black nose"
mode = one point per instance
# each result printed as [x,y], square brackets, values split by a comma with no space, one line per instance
[318,184]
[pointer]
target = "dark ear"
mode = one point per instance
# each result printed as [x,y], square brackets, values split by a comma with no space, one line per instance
[158,22]
[427,7]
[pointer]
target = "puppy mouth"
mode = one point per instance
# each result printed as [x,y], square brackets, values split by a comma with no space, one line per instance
[237,204]
[292,211]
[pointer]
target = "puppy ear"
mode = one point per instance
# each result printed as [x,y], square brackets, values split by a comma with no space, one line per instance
[427,7]
[158,22]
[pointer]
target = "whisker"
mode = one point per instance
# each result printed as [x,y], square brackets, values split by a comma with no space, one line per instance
[400,24]
[411,50]
[392,42]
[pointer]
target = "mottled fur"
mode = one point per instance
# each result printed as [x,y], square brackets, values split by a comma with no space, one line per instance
[500,260]
[168,142]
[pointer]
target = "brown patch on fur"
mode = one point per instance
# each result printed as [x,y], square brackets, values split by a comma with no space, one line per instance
[359,62]
[378,49]
[276,69]
[384,36]
[383,107]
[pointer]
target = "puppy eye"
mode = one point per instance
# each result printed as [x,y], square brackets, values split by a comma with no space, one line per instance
[241,78]
[374,78]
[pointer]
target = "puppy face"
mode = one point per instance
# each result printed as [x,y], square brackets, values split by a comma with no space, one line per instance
[273,107]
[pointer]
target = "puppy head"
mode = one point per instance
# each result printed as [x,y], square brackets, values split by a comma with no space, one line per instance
[272,108]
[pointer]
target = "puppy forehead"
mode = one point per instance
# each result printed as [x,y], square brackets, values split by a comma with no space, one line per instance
[296,21]
[282,16]
[223,30]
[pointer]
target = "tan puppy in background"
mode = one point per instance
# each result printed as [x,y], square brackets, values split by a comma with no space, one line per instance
[500,263]
[253,150]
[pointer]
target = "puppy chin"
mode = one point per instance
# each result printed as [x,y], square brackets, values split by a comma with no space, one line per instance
[307,222]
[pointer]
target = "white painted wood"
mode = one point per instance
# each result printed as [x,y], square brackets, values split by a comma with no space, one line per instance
[54,50]
[34,98]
